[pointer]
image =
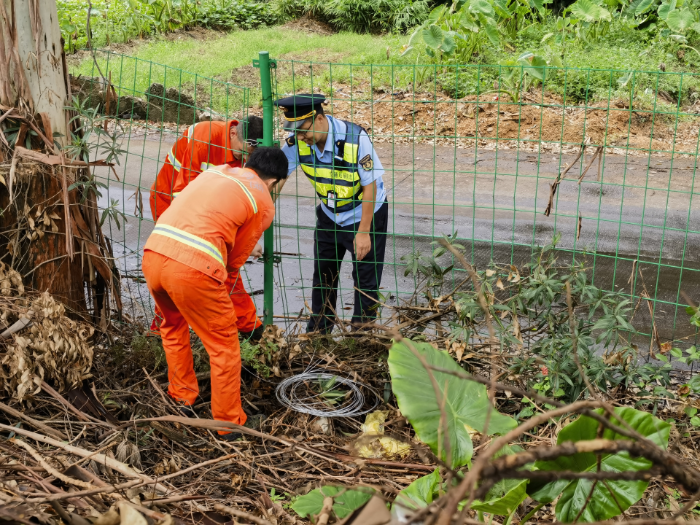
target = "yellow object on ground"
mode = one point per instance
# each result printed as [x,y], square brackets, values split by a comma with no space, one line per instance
[372,442]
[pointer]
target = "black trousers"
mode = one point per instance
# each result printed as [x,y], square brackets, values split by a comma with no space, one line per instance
[331,242]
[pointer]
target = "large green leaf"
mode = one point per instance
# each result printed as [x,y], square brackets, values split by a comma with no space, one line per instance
[602,505]
[666,8]
[448,44]
[535,65]
[539,5]
[639,7]
[436,14]
[503,498]
[468,21]
[501,8]
[432,36]
[312,503]
[491,29]
[482,7]
[420,493]
[680,20]
[589,12]
[506,495]
[466,403]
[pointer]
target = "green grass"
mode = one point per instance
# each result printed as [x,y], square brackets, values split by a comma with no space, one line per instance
[211,69]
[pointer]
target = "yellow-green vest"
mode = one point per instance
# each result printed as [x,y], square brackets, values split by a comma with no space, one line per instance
[341,176]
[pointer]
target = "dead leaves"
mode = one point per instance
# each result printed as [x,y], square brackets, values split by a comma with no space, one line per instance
[51,347]
[42,221]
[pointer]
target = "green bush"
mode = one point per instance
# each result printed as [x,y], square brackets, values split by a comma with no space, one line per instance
[123,20]
[360,16]
[234,14]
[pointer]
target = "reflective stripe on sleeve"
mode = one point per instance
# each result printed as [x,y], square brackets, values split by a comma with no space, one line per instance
[172,159]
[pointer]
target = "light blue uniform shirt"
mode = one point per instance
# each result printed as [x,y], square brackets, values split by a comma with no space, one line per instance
[337,131]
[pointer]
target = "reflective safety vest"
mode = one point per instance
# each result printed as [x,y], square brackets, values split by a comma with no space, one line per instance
[339,178]
[215,222]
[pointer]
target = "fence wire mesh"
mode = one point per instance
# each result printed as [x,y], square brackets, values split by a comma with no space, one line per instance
[603,160]
[153,106]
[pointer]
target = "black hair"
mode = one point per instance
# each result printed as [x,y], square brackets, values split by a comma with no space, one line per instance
[250,128]
[268,163]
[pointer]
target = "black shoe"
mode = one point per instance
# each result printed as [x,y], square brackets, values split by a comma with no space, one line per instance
[253,337]
[231,436]
[187,411]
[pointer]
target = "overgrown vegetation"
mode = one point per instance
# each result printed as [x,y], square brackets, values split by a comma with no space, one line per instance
[122,20]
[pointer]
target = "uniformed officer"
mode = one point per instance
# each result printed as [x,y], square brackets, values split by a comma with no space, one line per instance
[342,166]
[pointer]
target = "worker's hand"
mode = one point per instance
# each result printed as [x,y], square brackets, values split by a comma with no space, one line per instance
[257,251]
[363,244]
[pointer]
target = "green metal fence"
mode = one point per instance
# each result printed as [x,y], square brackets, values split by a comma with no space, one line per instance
[475,150]
[152,104]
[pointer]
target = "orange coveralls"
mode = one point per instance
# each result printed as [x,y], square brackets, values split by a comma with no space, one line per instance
[203,145]
[207,232]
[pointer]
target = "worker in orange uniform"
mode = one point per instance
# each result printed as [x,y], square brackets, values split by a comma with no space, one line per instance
[208,231]
[204,145]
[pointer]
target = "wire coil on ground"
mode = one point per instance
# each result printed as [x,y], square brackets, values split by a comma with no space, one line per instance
[297,393]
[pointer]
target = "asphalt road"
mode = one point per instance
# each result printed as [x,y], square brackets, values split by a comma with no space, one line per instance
[643,211]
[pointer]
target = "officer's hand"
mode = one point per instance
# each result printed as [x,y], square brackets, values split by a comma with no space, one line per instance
[363,244]
[257,251]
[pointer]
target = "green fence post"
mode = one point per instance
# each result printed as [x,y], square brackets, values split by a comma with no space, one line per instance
[268,118]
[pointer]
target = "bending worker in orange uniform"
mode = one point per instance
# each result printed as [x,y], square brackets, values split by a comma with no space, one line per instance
[202,146]
[208,231]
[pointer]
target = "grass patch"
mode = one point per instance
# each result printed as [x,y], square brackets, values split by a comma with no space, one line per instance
[216,70]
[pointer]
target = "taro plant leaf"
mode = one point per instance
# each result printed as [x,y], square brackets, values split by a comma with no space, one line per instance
[501,8]
[482,7]
[448,44]
[588,11]
[539,5]
[603,504]
[419,494]
[436,14]
[680,20]
[506,495]
[666,8]
[491,29]
[641,6]
[537,63]
[433,36]
[343,504]
[466,403]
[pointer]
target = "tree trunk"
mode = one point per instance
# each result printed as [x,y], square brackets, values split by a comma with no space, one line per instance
[56,248]
[32,48]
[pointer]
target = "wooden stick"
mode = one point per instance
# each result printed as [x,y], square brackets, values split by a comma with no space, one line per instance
[107,489]
[48,468]
[241,514]
[99,458]
[81,415]
[326,509]
[33,422]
